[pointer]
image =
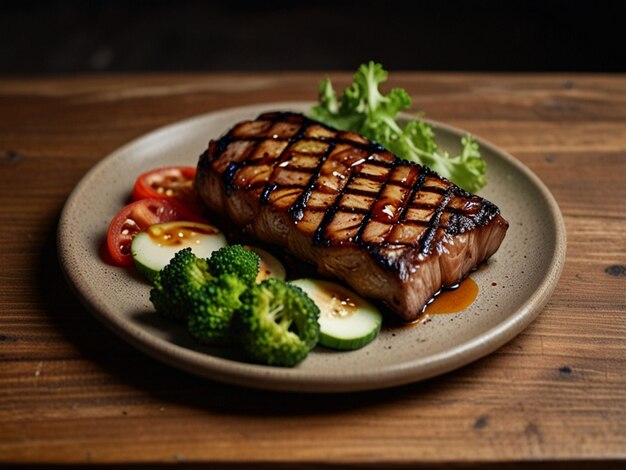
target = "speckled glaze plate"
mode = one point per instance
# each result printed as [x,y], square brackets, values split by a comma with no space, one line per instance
[513,287]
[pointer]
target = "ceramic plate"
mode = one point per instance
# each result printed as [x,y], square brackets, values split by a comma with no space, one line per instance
[513,287]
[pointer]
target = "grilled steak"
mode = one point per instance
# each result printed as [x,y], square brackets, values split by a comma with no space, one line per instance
[391,229]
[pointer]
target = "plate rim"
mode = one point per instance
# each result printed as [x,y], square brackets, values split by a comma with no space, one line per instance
[300,380]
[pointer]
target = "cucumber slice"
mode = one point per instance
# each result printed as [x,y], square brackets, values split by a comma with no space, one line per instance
[269,266]
[154,248]
[347,321]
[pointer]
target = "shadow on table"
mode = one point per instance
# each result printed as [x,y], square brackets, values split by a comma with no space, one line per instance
[96,343]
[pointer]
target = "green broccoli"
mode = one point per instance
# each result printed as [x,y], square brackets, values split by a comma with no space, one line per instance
[277,323]
[178,283]
[189,289]
[212,310]
[235,259]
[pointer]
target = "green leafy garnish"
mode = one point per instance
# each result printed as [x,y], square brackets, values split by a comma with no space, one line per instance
[364,109]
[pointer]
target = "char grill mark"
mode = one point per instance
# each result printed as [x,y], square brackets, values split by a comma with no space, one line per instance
[319,239]
[282,158]
[428,236]
[417,186]
[299,207]
[377,200]
[365,197]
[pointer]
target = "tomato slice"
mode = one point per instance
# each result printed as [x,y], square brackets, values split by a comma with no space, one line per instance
[138,216]
[170,182]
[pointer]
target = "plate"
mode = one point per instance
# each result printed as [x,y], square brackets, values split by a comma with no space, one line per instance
[513,287]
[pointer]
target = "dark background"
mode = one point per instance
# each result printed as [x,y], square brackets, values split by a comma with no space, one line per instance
[95,36]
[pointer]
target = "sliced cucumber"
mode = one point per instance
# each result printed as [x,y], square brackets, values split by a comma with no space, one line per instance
[269,266]
[347,321]
[154,248]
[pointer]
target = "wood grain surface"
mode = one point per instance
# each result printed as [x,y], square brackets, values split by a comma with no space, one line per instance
[72,392]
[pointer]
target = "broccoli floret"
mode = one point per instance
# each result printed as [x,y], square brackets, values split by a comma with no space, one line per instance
[179,282]
[213,308]
[235,259]
[277,323]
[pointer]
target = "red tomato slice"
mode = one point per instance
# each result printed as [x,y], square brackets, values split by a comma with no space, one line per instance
[166,183]
[138,216]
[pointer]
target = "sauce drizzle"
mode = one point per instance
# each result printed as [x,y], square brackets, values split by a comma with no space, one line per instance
[179,233]
[338,300]
[454,299]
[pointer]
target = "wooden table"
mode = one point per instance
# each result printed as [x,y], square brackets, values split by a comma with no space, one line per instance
[72,392]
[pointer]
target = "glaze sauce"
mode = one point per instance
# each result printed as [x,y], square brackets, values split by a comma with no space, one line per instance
[454,299]
[338,300]
[179,233]
[342,306]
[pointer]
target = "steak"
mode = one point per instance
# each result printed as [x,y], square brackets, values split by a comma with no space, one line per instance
[393,230]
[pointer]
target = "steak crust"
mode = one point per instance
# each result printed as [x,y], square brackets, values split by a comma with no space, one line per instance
[393,230]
